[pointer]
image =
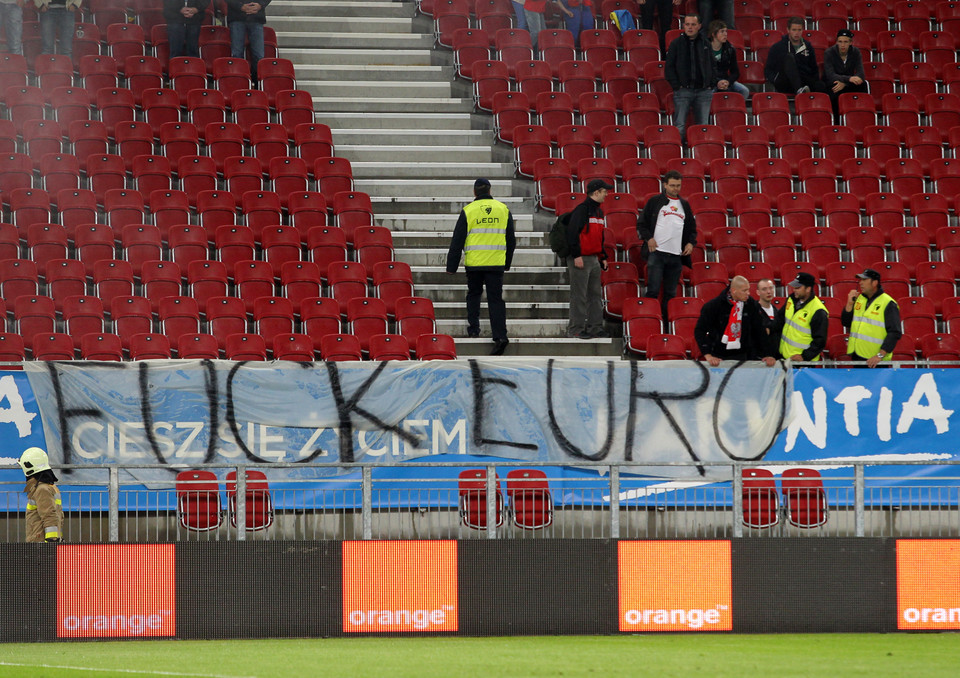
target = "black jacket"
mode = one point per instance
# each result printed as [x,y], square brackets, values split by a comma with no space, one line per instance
[171,11]
[234,13]
[576,222]
[835,69]
[690,66]
[726,67]
[713,321]
[459,240]
[647,224]
[806,60]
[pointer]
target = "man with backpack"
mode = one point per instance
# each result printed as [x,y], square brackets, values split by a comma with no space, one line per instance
[585,259]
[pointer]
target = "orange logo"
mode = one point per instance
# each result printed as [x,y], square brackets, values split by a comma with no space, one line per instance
[116,591]
[675,586]
[928,587]
[400,586]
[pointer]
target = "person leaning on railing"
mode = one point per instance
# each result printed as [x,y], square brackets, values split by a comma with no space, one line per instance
[44,508]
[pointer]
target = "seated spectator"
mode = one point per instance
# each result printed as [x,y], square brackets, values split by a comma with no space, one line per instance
[792,64]
[730,326]
[843,68]
[725,60]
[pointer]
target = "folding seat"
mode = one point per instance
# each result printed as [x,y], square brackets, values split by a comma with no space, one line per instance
[332,175]
[133,139]
[281,245]
[469,45]
[87,137]
[187,244]
[708,278]
[895,47]
[728,110]
[598,46]
[912,17]
[160,107]
[531,142]
[910,245]
[94,242]
[294,108]
[82,315]
[597,110]
[761,40]
[234,244]
[841,210]
[179,140]
[642,178]
[347,280]
[242,174]
[589,169]
[793,143]
[493,15]
[751,144]
[620,80]
[326,244]
[948,242]
[41,138]
[53,71]
[665,347]
[8,136]
[641,110]
[206,107]
[555,109]
[101,346]
[392,280]
[252,280]
[34,315]
[366,317]
[857,111]
[187,74]
[510,109]
[837,143]
[144,76]
[731,245]
[946,16]
[141,243]
[59,171]
[198,347]
[97,71]
[46,242]
[352,210]
[149,346]
[882,79]
[575,142]
[9,244]
[52,346]
[206,280]
[662,143]
[224,140]
[866,245]
[230,74]
[918,81]
[797,211]
[125,40]
[312,141]
[435,347]
[275,75]
[269,141]
[151,173]
[124,207]
[196,173]
[576,78]
[770,110]
[215,209]
[641,46]
[272,316]
[226,316]
[449,16]
[861,176]
[319,317]
[885,211]
[24,103]
[951,314]
[339,347]
[214,44]
[13,71]
[533,77]
[29,206]
[556,46]
[940,347]
[945,175]
[817,176]
[804,498]
[295,347]
[620,144]
[307,210]
[882,143]
[905,176]
[814,109]
[105,172]
[706,143]
[761,502]
[776,246]
[112,278]
[901,110]
[16,172]
[840,278]
[684,312]
[929,212]
[116,105]
[924,144]
[773,176]
[373,245]
[552,177]
[619,282]
[513,46]
[415,318]
[385,347]
[753,212]
[159,280]
[245,347]
[918,315]
[489,79]
[130,315]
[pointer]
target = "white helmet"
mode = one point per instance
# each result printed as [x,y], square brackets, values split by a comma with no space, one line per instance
[33,460]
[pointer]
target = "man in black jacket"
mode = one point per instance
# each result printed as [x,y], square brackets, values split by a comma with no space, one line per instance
[792,64]
[668,229]
[184,18]
[585,259]
[730,326]
[246,19]
[689,69]
[843,69]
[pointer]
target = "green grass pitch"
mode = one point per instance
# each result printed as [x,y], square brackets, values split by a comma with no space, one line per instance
[686,656]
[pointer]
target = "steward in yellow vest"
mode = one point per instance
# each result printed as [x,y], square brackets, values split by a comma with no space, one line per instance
[484,236]
[874,321]
[804,321]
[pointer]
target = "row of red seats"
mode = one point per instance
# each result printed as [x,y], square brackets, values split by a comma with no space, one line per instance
[290,346]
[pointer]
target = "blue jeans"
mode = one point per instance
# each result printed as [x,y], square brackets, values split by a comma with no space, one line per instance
[57,21]
[535,23]
[240,32]
[582,20]
[683,99]
[184,40]
[520,14]
[739,88]
[663,273]
[11,16]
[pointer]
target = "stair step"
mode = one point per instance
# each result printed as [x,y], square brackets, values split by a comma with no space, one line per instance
[355,25]
[542,346]
[387,92]
[403,138]
[331,101]
[459,190]
[533,276]
[415,155]
[527,257]
[348,40]
[377,74]
[419,178]
[520,327]
[440,122]
[427,225]
[339,9]
[512,293]
[404,240]
[515,309]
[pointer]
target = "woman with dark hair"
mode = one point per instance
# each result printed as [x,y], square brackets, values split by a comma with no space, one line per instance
[725,60]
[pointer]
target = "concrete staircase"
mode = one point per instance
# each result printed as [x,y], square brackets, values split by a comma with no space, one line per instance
[409,129]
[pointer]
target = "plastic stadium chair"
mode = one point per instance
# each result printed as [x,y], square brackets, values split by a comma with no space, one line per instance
[473,499]
[198,501]
[530,500]
[804,497]
[761,502]
[258,503]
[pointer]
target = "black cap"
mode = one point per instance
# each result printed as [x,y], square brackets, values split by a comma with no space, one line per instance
[803,280]
[596,185]
[869,274]
[845,33]
[481,183]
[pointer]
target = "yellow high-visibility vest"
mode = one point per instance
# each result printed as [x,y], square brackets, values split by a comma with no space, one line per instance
[486,243]
[867,331]
[796,335]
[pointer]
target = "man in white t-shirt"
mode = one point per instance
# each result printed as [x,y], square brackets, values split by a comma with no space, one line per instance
[669,232]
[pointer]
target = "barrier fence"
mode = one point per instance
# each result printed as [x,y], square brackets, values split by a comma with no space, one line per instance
[504,501]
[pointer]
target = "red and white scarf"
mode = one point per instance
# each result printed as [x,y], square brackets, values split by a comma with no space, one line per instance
[731,335]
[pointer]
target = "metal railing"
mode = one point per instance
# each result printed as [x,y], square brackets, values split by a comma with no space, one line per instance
[589,501]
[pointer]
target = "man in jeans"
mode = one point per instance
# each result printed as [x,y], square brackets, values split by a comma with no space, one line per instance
[690,71]
[669,232]
[11,18]
[246,19]
[58,19]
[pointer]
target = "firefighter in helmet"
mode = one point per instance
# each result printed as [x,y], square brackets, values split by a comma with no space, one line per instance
[44,509]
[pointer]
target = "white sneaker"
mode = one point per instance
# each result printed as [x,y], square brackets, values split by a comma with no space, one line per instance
[803,90]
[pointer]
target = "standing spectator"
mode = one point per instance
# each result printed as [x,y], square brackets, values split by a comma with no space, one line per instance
[725,61]
[246,19]
[730,326]
[766,291]
[664,11]
[792,64]
[874,321]
[520,14]
[57,19]
[668,229]
[843,69]
[803,321]
[585,260]
[535,14]
[578,17]
[689,70]
[485,233]
[184,18]
[44,510]
[719,9]
[11,18]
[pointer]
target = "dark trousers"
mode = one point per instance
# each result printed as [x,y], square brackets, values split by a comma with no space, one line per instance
[835,97]
[789,79]
[663,274]
[184,40]
[664,10]
[497,309]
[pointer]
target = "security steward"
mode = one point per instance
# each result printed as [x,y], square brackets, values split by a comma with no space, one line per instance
[803,322]
[44,509]
[484,234]
[874,321]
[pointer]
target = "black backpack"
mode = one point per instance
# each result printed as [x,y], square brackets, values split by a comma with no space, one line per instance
[558,236]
